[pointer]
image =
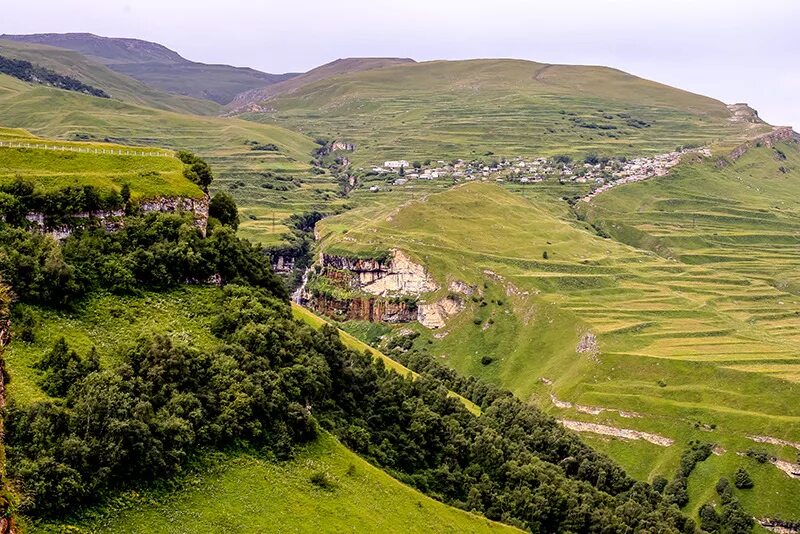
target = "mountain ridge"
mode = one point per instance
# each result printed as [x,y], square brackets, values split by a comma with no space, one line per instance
[158,66]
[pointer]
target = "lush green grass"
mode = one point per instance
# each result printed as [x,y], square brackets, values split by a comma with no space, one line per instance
[468,109]
[672,335]
[147,176]
[247,493]
[109,323]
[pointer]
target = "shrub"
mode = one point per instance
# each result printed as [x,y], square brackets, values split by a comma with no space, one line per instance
[324,480]
[742,479]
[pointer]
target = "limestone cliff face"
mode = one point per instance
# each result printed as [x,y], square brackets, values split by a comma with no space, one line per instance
[365,309]
[113,220]
[397,276]
[436,315]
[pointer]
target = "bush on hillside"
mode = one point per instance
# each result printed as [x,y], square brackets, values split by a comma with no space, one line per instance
[223,208]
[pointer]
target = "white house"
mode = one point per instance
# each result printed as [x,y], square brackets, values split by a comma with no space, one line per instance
[395,164]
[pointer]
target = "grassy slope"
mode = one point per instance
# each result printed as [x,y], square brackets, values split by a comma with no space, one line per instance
[243,493]
[446,109]
[119,86]
[250,494]
[656,320]
[147,176]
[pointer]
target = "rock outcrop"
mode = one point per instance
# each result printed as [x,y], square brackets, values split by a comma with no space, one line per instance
[398,275]
[436,315]
[779,134]
[365,309]
[113,220]
[741,112]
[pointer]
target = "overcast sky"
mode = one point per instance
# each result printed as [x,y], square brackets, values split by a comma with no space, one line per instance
[733,50]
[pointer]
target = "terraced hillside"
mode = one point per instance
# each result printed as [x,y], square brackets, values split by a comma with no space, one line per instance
[466,109]
[230,145]
[697,341]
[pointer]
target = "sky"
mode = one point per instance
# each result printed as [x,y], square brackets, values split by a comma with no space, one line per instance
[733,50]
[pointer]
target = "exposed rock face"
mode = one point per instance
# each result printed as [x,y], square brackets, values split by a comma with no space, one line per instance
[588,345]
[741,112]
[779,134]
[113,220]
[398,276]
[282,264]
[366,309]
[436,315]
[404,277]
[196,206]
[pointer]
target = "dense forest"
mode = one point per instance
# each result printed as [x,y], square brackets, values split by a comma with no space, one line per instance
[28,72]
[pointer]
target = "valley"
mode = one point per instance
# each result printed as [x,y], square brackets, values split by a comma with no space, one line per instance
[525,297]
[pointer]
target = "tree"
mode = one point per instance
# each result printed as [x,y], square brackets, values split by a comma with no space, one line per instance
[223,208]
[417,165]
[742,479]
[709,518]
[545,255]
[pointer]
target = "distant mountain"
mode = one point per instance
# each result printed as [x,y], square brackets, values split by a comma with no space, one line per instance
[158,66]
[334,68]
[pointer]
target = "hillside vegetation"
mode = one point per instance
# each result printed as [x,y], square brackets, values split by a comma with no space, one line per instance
[95,74]
[465,109]
[157,66]
[692,345]
[246,493]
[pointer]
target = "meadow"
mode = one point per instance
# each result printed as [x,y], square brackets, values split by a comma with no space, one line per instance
[149,173]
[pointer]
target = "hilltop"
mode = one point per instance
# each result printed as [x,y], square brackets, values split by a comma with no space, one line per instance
[252,99]
[470,109]
[157,66]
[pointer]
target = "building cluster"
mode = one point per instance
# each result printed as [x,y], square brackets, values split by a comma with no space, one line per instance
[601,173]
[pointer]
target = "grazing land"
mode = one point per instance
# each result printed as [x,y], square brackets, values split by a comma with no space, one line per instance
[686,332]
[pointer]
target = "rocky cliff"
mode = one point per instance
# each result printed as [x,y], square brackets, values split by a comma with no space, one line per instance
[114,220]
[779,134]
[370,309]
[398,275]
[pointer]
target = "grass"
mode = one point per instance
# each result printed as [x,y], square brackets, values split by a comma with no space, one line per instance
[700,349]
[491,108]
[147,176]
[109,323]
[236,491]
[247,493]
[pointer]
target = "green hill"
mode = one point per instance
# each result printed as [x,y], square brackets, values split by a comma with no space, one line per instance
[54,165]
[249,494]
[119,86]
[700,346]
[158,67]
[466,109]
[335,68]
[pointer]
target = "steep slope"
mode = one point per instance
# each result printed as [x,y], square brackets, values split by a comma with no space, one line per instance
[119,86]
[251,99]
[159,67]
[467,109]
[250,494]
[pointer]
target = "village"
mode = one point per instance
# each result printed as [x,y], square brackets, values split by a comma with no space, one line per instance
[601,173]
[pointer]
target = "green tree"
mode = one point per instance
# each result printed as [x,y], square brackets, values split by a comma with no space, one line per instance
[742,479]
[709,518]
[223,208]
